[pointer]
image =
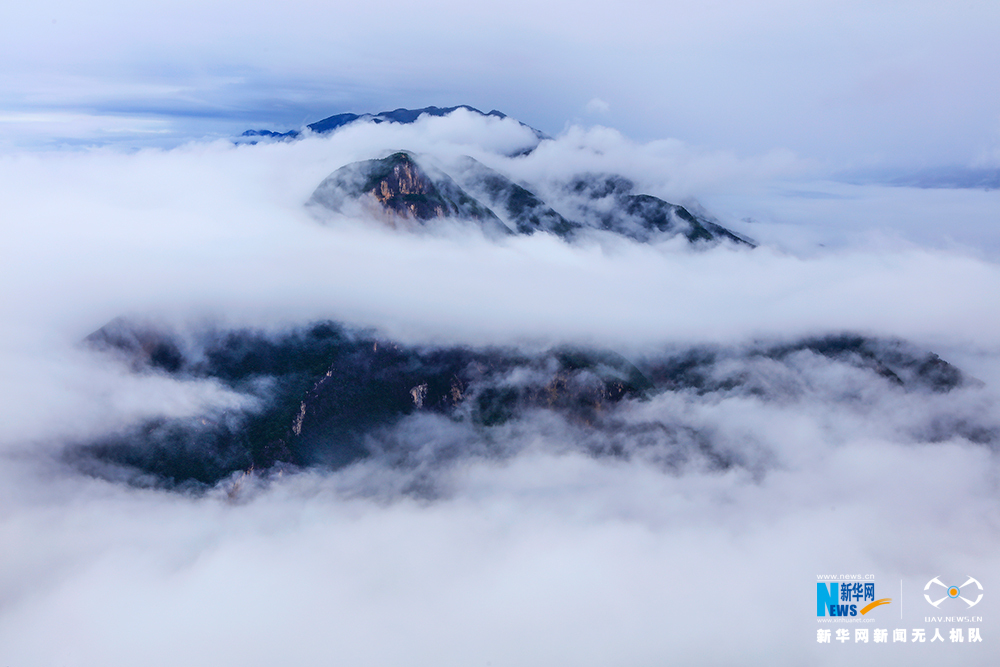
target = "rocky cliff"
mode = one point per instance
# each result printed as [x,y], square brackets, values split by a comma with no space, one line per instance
[401,186]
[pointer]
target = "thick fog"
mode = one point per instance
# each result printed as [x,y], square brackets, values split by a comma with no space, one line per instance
[531,549]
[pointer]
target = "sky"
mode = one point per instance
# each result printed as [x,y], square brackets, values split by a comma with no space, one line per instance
[124,196]
[851,85]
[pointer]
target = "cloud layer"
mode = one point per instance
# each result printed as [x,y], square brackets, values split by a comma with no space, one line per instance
[547,554]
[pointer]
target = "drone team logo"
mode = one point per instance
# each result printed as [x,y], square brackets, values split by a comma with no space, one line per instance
[954,592]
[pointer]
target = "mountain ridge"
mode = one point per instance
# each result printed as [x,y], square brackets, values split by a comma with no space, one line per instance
[328,396]
[400,186]
[401,115]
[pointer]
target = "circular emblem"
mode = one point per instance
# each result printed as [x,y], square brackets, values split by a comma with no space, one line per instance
[953,592]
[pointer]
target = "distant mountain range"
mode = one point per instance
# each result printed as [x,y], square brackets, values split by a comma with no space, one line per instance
[951,177]
[403,116]
[947,177]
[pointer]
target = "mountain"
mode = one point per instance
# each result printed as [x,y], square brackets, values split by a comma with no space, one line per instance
[522,210]
[641,217]
[403,190]
[329,396]
[401,115]
[401,187]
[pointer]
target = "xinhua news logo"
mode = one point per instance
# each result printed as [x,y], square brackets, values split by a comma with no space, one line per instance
[847,598]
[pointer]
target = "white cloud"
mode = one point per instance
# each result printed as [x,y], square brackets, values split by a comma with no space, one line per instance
[546,556]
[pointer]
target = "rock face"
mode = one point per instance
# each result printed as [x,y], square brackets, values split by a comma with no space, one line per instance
[330,396]
[398,186]
[401,186]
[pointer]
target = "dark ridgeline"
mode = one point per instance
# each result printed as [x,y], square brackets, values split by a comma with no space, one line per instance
[328,394]
[403,116]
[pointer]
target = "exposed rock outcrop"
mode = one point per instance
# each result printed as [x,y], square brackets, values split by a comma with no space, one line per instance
[403,190]
[399,187]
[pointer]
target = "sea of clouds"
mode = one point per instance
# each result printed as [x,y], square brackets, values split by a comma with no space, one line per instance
[547,556]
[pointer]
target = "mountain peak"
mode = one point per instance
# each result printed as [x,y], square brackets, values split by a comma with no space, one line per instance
[397,188]
[397,185]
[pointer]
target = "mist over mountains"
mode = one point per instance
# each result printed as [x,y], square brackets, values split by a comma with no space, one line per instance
[400,115]
[404,187]
[325,395]
[409,380]
[328,396]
